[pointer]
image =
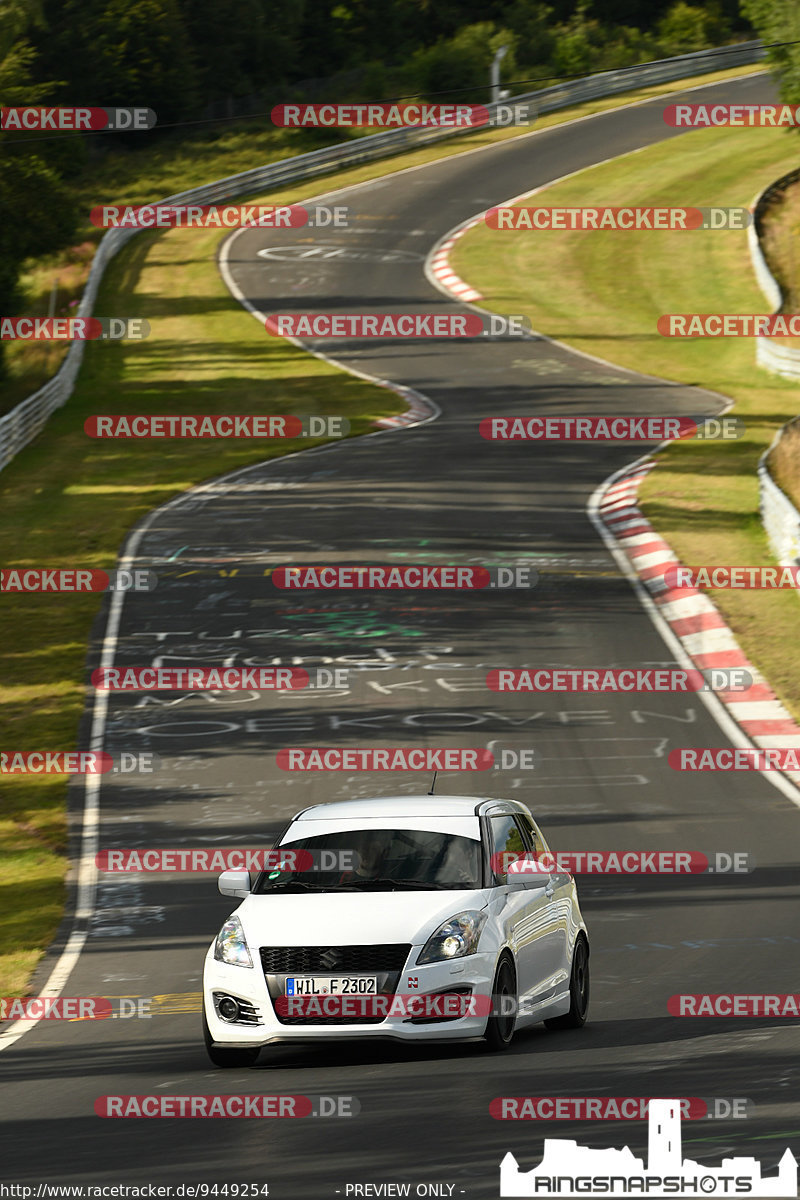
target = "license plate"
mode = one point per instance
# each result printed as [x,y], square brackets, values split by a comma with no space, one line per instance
[332,985]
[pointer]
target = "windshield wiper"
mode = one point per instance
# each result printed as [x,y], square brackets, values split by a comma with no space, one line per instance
[303,884]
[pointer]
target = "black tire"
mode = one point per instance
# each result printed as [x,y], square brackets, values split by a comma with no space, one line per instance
[578,991]
[500,1026]
[227,1056]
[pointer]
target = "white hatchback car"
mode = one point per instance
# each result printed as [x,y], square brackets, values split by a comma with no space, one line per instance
[421,920]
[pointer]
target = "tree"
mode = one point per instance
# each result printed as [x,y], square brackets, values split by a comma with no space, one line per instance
[779,21]
[38,213]
[686,27]
[460,64]
[121,53]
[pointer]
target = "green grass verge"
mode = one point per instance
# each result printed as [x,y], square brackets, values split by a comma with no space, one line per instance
[69,501]
[133,176]
[602,293]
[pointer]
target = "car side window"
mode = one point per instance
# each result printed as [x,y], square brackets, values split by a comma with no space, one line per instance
[538,843]
[506,836]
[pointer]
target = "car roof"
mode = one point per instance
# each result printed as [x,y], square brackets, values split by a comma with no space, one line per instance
[409,806]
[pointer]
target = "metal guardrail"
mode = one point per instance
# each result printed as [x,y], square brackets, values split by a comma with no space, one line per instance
[773,357]
[780,518]
[26,420]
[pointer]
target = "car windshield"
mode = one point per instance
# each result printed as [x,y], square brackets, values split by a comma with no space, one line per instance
[384,860]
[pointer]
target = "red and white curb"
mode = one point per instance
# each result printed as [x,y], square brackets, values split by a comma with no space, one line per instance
[420,408]
[694,620]
[440,265]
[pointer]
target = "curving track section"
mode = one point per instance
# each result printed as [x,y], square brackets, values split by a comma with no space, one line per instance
[432,493]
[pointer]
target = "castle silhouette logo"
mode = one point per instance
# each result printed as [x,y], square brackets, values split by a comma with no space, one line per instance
[568,1169]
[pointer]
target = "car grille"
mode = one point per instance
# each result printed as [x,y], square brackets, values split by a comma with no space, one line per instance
[385,961]
[332,960]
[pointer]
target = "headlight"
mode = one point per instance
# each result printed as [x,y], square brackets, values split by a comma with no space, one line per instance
[230,946]
[454,938]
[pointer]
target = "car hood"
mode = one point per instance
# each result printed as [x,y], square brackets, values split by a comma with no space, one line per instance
[351,918]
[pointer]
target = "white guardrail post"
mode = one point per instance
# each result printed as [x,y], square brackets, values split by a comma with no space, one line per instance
[22,424]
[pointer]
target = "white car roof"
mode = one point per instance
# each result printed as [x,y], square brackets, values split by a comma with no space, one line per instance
[405,806]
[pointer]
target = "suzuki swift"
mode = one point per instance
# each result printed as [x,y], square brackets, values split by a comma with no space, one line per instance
[415,918]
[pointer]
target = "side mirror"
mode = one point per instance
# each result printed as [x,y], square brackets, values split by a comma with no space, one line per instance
[528,872]
[234,883]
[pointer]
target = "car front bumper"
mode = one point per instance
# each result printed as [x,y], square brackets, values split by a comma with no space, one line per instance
[474,972]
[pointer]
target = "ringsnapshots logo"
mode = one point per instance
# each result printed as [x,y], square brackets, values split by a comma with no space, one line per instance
[75,119]
[513,217]
[71,329]
[570,1170]
[391,115]
[145,427]
[396,325]
[76,580]
[609,429]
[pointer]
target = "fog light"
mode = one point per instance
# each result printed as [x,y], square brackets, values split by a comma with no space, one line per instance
[228,1008]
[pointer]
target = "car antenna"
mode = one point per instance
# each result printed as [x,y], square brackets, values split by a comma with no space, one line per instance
[433,783]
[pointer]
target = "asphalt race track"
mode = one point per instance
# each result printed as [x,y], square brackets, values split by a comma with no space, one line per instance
[437,493]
